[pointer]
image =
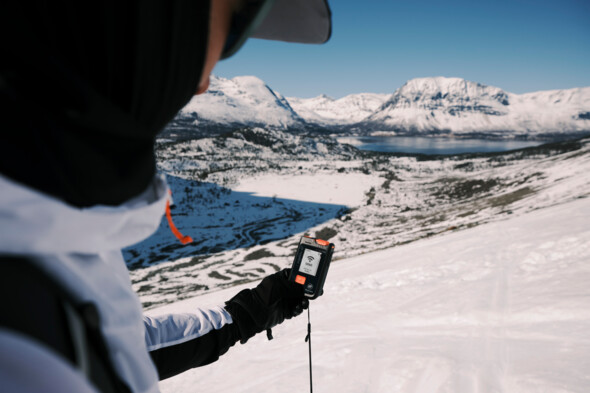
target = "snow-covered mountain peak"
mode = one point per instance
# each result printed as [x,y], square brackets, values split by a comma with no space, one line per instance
[439,83]
[247,84]
[243,100]
[310,103]
[243,80]
[324,97]
[457,106]
[449,89]
[346,110]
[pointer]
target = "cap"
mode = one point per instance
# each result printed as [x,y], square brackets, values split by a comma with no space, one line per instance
[302,21]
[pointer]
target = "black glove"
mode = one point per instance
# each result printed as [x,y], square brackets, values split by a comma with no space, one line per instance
[269,304]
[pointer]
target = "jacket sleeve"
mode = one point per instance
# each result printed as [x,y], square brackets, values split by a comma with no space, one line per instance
[178,342]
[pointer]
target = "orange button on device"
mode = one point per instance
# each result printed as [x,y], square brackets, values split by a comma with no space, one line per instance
[300,279]
[322,242]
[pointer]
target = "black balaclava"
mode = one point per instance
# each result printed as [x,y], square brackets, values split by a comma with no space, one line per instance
[85,88]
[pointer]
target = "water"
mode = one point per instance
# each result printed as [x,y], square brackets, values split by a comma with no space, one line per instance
[416,144]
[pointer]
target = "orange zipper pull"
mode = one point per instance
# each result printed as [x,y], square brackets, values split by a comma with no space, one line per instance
[183,239]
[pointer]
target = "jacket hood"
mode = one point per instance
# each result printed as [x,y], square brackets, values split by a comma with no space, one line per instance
[32,222]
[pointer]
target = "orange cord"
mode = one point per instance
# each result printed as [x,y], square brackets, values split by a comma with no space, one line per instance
[183,239]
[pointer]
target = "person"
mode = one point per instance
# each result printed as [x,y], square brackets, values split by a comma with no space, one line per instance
[84,90]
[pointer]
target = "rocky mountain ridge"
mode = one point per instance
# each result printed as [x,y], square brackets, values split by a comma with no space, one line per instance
[456,106]
[422,106]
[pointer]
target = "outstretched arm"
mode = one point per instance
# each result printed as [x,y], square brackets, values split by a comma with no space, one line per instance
[178,342]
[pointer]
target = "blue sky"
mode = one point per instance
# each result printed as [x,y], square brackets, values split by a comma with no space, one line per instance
[376,45]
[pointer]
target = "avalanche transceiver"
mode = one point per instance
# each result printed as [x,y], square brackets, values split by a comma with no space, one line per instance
[311,264]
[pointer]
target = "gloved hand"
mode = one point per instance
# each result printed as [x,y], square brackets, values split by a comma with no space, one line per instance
[269,304]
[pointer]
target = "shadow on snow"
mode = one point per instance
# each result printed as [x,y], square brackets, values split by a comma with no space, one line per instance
[219,219]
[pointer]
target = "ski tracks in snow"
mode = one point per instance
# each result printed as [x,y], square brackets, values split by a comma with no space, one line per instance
[501,308]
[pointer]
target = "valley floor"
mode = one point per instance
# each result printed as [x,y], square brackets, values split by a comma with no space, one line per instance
[247,197]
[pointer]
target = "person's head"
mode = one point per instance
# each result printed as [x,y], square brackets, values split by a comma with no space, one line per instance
[233,21]
[103,83]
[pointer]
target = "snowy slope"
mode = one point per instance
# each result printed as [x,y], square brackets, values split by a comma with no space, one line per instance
[247,197]
[243,100]
[346,110]
[502,307]
[457,106]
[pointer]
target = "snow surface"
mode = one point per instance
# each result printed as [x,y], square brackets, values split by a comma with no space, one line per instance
[340,189]
[501,307]
[242,237]
[455,274]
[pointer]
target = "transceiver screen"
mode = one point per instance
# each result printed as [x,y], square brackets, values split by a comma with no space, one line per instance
[310,262]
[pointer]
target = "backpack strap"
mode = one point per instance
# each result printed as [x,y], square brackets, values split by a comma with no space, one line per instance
[37,306]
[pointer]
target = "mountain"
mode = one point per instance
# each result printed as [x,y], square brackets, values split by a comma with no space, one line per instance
[457,106]
[422,106]
[347,110]
[241,101]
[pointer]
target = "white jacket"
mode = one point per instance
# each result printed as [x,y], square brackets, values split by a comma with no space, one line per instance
[81,249]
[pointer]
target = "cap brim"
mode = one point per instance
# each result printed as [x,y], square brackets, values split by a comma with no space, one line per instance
[302,21]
